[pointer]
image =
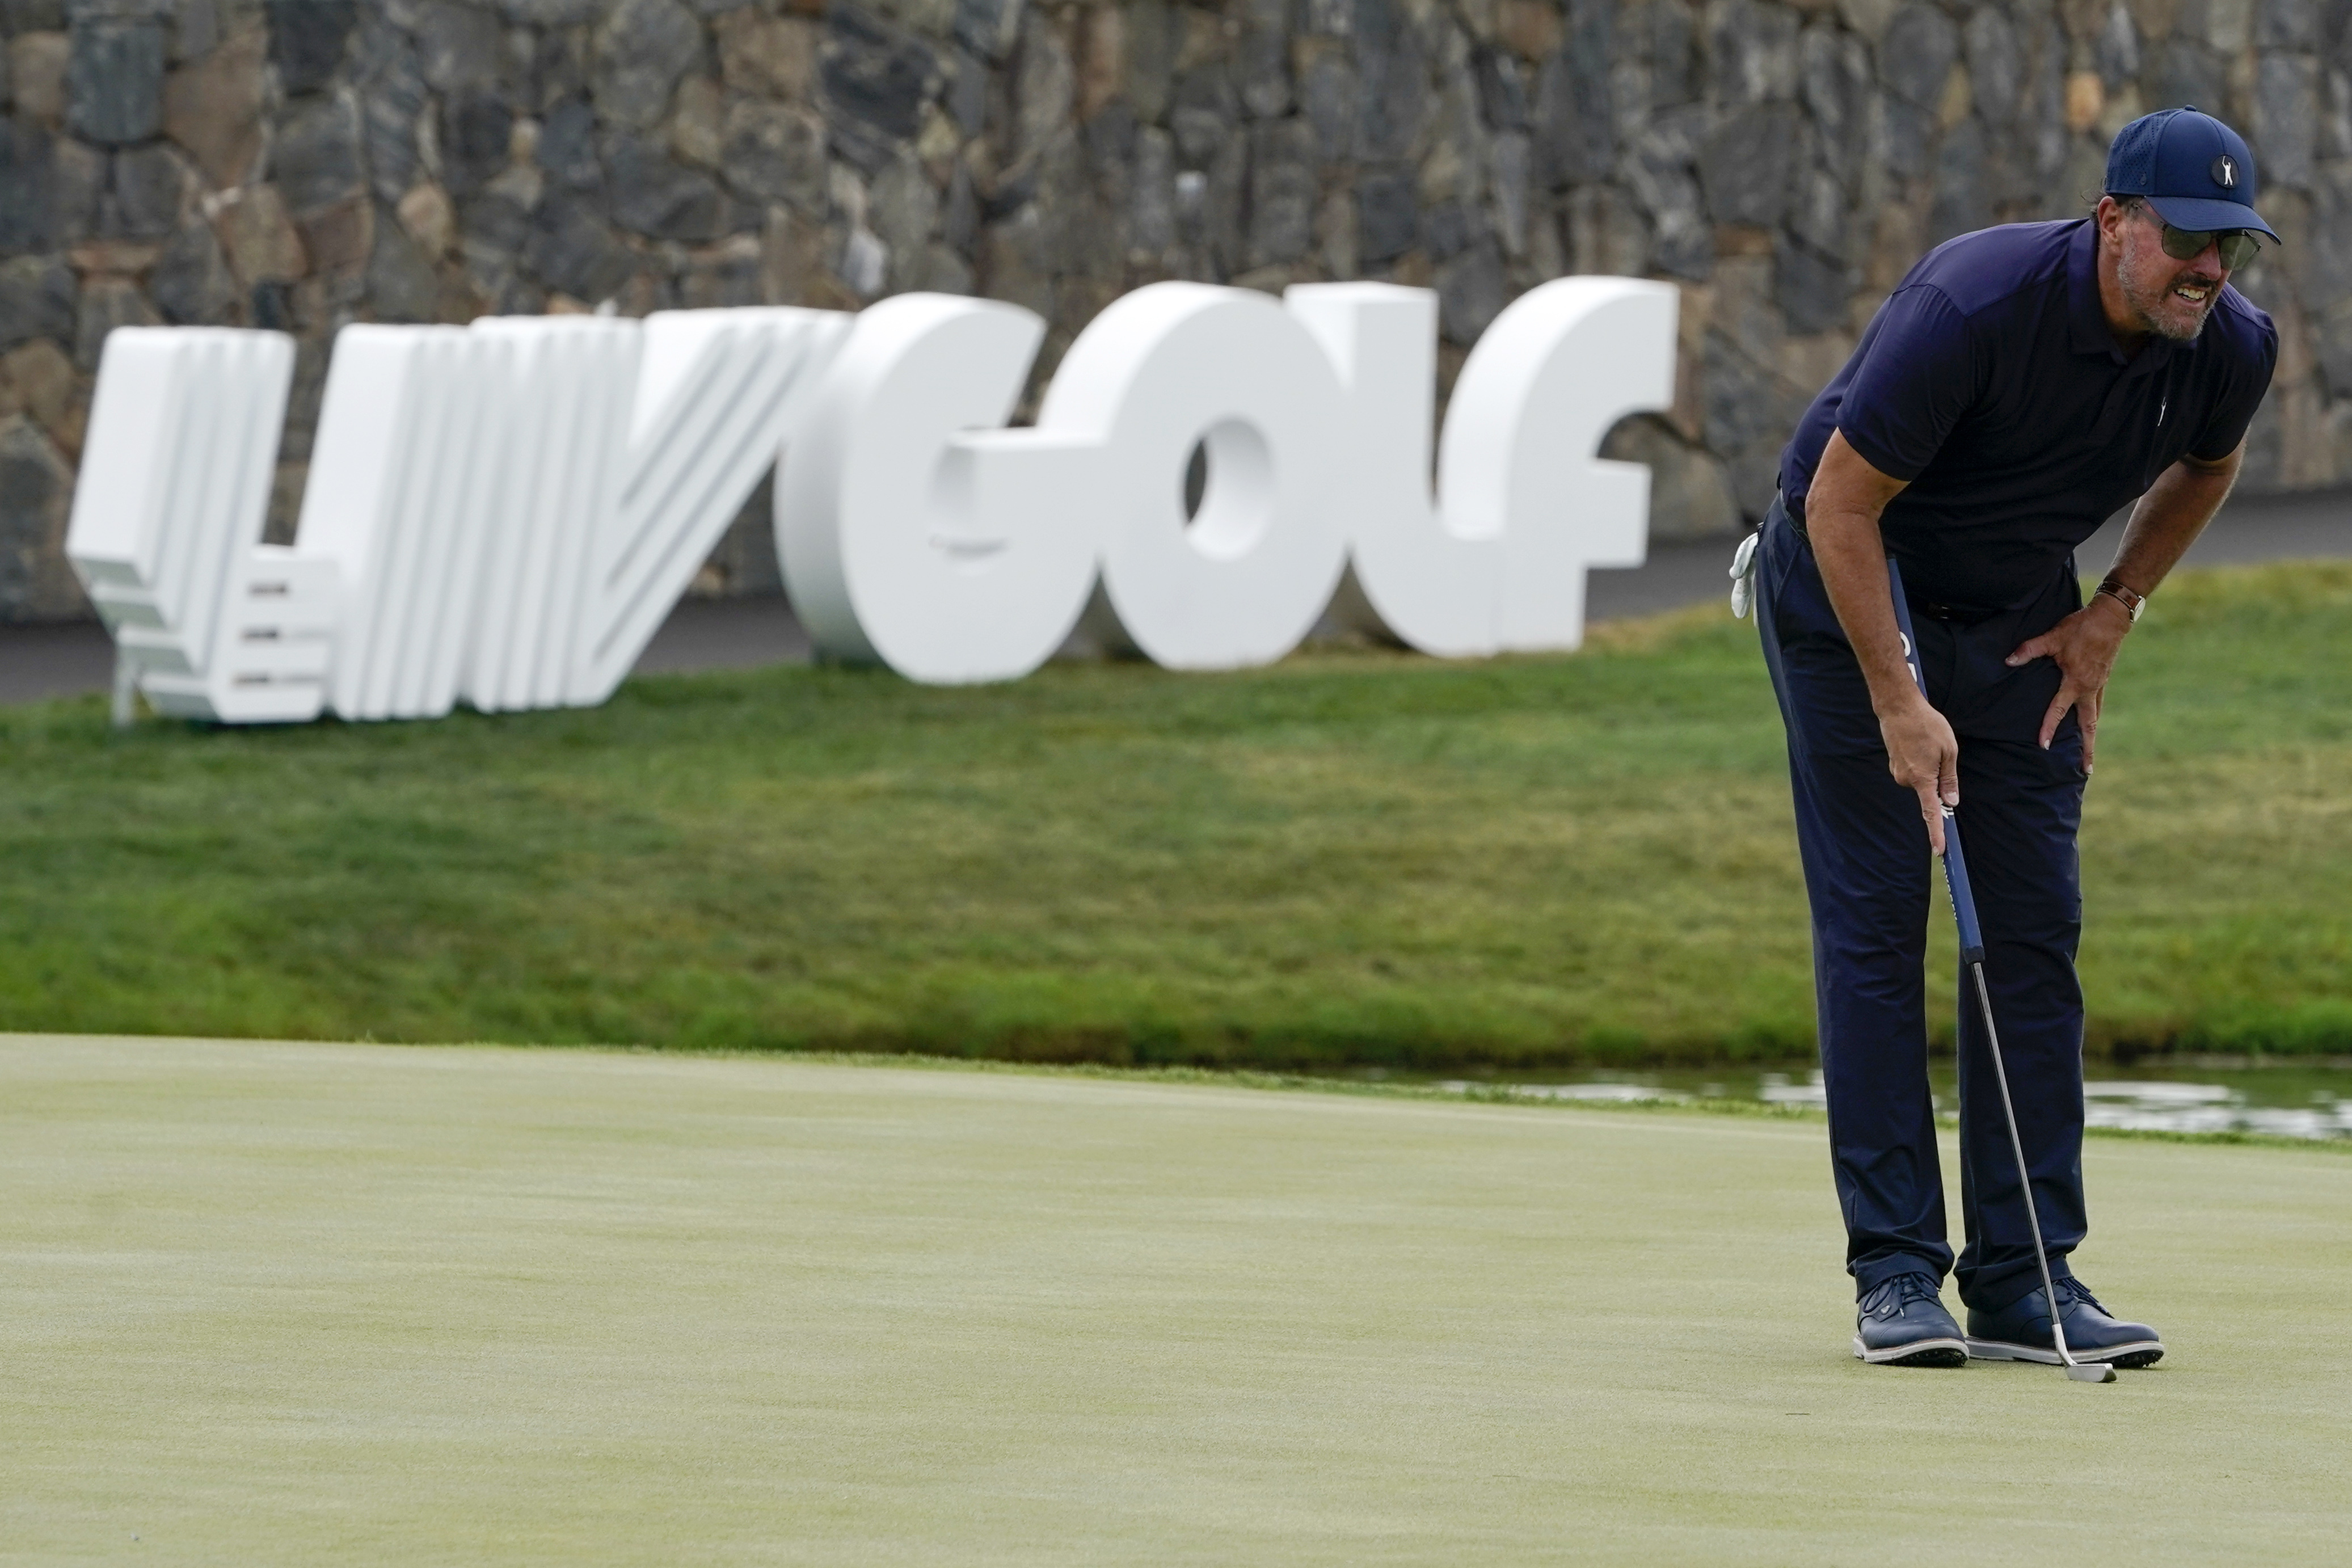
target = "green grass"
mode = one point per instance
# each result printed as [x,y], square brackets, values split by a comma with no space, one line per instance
[1351,856]
[266,1303]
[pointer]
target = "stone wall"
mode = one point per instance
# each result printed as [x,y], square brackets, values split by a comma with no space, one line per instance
[302,164]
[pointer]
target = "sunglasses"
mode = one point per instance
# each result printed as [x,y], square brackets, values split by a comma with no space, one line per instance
[2238,246]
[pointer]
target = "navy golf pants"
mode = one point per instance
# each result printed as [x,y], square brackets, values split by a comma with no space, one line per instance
[1868,873]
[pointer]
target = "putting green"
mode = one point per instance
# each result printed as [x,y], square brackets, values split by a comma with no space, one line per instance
[309,1303]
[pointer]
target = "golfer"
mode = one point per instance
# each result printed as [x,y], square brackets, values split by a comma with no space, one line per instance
[2021,386]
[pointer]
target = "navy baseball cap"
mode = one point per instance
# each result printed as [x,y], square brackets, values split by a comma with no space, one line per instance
[2194,171]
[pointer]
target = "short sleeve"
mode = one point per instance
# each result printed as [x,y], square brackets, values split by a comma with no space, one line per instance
[1915,380]
[2234,410]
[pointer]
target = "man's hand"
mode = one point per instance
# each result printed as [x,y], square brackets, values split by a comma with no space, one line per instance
[1925,758]
[2083,645]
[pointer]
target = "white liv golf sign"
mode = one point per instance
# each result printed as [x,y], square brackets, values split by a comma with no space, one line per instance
[503,514]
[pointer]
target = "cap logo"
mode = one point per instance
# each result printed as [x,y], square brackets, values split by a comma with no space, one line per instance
[2225,172]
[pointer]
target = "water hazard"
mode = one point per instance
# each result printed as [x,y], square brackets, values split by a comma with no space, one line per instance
[2302,1101]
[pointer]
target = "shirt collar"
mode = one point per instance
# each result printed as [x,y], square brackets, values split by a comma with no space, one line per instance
[2088,329]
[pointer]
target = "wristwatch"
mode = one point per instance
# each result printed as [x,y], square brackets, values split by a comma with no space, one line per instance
[2133,603]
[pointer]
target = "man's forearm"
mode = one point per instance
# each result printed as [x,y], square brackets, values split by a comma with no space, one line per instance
[1852,556]
[1841,516]
[2169,518]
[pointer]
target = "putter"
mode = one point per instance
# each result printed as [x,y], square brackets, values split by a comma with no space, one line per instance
[1973,954]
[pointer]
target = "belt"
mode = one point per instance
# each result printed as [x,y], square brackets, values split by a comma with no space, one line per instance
[1927,607]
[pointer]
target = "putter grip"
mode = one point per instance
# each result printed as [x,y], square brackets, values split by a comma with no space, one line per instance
[1956,863]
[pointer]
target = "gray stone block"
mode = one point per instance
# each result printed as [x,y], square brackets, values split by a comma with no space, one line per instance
[38,299]
[1220,207]
[1575,135]
[1262,59]
[77,190]
[1109,140]
[1154,35]
[1818,214]
[1327,96]
[494,224]
[2327,272]
[1282,193]
[1920,47]
[1605,233]
[1392,68]
[389,82]
[1045,87]
[1738,397]
[32,16]
[35,494]
[317,159]
[1674,68]
[640,51]
[774,153]
[2333,344]
[114,81]
[903,211]
[1906,138]
[1815,291]
[27,187]
[959,213]
[1447,229]
[567,147]
[477,128]
[459,44]
[1203,115]
[988,28]
[653,195]
[1151,211]
[1836,89]
[1996,74]
[965,94]
[571,250]
[2287,26]
[562,65]
[1658,173]
[306,40]
[1745,167]
[150,191]
[105,304]
[401,284]
[553,13]
[876,80]
[2118,49]
[2286,116]
[1471,292]
[1503,90]
[1507,180]
[1960,205]
[190,283]
[2186,71]
[1388,222]
[1753,45]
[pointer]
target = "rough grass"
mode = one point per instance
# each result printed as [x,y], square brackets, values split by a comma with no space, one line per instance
[1352,856]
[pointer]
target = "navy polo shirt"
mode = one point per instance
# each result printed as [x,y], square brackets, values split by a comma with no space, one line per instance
[1991,382]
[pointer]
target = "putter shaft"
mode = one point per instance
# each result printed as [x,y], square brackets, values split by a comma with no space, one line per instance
[1972,954]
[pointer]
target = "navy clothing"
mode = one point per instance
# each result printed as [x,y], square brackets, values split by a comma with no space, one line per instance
[1991,382]
[1868,874]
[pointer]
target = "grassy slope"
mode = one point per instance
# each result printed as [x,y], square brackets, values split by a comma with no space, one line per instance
[339,1304]
[1349,856]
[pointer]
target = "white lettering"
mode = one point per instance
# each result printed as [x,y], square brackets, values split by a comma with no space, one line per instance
[504,514]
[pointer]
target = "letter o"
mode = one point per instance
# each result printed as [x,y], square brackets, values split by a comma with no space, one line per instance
[1176,364]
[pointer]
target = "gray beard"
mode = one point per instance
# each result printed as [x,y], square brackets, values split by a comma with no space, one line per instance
[2150,319]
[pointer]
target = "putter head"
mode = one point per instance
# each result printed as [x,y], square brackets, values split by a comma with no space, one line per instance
[2091,1372]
